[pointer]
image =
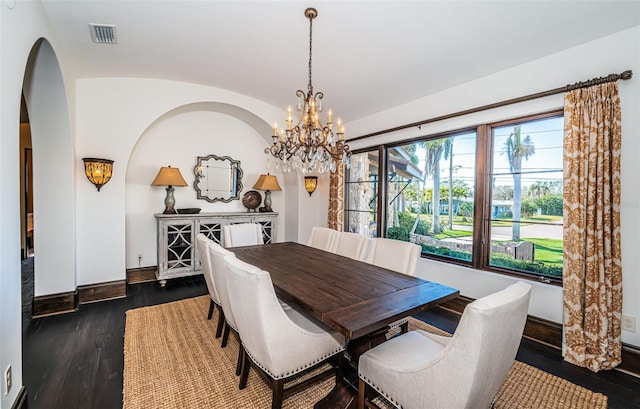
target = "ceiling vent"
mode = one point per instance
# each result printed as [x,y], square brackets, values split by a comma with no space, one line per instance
[103,33]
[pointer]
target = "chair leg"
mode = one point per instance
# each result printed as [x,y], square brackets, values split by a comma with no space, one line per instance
[221,322]
[362,393]
[404,328]
[278,393]
[244,375]
[211,306]
[240,360]
[225,335]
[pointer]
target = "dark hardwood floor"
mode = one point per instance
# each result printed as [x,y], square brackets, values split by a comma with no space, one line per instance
[75,360]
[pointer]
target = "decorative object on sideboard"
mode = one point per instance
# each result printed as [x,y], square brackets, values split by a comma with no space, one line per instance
[98,171]
[309,144]
[189,210]
[217,178]
[310,183]
[170,177]
[267,183]
[251,200]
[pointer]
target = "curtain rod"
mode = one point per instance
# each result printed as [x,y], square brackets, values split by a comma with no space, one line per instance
[570,87]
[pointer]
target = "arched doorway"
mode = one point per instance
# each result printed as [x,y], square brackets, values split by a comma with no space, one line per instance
[53,165]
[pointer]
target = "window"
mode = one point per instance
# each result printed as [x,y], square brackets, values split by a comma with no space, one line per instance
[425,180]
[526,199]
[361,194]
[488,197]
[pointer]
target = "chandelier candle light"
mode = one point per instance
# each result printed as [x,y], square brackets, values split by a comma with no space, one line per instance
[309,144]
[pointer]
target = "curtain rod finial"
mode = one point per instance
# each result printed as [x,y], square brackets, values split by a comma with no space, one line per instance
[626,75]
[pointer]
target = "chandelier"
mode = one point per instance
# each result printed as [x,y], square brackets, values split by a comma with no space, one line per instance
[309,144]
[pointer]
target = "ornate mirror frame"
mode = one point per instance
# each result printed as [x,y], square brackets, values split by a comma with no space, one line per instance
[217,182]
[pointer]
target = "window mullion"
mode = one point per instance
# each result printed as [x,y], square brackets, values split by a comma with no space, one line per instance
[482,199]
[382,192]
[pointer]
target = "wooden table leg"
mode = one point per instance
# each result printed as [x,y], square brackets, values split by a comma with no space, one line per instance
[344,395]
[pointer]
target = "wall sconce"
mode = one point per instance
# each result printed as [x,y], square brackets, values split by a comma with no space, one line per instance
[168,176]
[310,183]
[98,171]
[267,183]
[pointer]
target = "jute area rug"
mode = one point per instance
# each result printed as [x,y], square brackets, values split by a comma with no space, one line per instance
[172,360]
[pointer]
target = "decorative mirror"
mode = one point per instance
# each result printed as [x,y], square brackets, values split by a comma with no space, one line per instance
[218,178]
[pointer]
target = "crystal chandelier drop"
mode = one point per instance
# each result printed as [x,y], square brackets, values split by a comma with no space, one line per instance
[309,144]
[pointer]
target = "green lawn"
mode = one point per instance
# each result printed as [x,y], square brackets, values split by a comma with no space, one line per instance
[548,251]
[448,234]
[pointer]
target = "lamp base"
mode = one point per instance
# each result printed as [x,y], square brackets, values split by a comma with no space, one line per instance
[169,202]
[267,202]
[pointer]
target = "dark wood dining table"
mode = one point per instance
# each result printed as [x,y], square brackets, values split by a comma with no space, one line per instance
[357,299]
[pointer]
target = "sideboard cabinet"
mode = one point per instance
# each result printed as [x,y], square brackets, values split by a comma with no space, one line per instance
[177,246]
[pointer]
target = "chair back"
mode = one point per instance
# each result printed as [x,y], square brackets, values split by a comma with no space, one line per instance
[262,323]
[351,245]
[396,255]
[322,238]
[207,267]
[217,253]
[484,346]
[244,234]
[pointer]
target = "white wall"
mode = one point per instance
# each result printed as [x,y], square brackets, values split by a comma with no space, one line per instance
[113,115]
[22,23]
[177,141]
[612,54]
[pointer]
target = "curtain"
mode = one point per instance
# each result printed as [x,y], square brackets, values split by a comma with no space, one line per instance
[592,257]
[336,197]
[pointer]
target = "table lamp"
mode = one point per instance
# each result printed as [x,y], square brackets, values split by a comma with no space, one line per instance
[168,176]
[267,183]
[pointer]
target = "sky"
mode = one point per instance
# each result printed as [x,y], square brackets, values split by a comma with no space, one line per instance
[545,164]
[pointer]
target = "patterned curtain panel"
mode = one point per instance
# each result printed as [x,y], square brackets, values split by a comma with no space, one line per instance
[336,198]
[592,259]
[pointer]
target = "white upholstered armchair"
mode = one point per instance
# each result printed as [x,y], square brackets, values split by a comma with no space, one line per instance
[395,255]
[219,272]
[322,238]
[421,370]
[351,245]
[243,234]
[205,261]
[280,343]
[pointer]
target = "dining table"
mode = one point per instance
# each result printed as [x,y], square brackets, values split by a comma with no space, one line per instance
[355,298]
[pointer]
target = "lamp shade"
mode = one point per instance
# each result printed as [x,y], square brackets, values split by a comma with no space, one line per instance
[168,176]
[98,171]
[267,182]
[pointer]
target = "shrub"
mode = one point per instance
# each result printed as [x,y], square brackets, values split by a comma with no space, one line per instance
[398,233]
[445,251]
[505,260]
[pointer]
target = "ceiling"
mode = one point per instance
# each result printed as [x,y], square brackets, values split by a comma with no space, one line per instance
[367,55]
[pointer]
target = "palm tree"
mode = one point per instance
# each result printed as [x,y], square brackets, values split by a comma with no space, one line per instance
[517,148]
[448,154]
[434,154]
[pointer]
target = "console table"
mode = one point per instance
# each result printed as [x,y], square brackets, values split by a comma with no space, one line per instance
[177,245]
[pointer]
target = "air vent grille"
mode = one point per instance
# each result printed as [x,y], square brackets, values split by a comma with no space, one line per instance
[103,33]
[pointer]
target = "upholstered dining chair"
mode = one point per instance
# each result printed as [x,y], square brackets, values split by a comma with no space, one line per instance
[219,272]
[278,343]
[351,245]
[207,267]
[396,255]
[242,234]
[322,238]
[421,370]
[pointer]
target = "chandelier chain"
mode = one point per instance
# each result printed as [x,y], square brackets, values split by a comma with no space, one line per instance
[310,86]
[308,144]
